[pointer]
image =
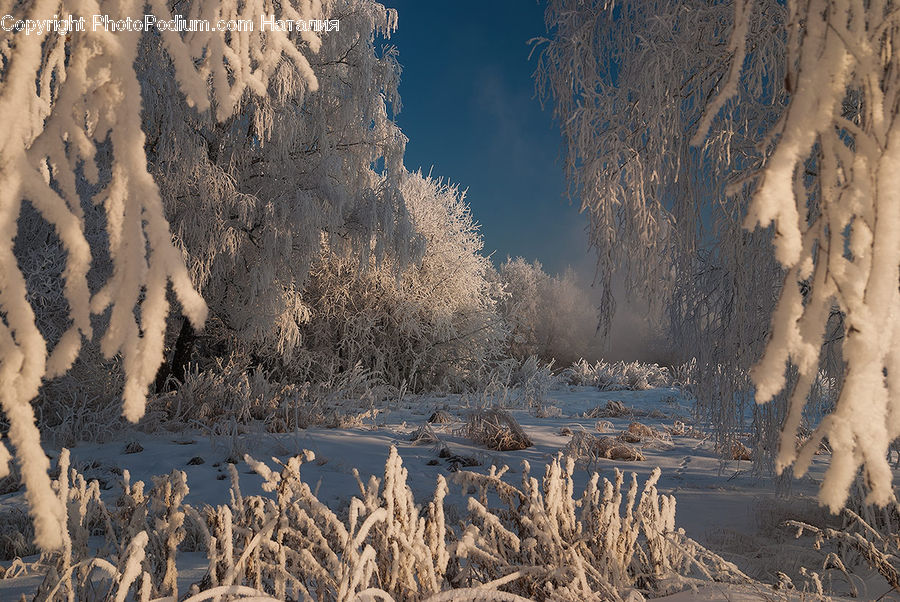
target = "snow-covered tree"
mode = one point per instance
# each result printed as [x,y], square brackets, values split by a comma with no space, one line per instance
[551,317]
[837,233]
[72,104]
[793,109]
[429,323]
[254,199]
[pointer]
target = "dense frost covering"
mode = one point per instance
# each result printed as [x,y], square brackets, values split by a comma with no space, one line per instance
[800,133]
[724,507]
[533,536]
[839,239]
[85,125]
[264,171]
[73,104]
[274,158]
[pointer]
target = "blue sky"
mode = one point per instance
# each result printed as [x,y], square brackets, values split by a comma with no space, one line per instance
[470,114]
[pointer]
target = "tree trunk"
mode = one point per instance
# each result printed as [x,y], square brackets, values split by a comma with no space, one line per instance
[180,358]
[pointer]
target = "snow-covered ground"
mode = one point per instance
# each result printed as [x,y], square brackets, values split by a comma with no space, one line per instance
[724,505]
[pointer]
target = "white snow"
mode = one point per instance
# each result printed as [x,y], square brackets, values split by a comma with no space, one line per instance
[716,501]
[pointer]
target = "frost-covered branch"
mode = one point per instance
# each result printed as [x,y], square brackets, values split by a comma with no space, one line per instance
[73,104]
[839,238]
[796,127]
[614,541]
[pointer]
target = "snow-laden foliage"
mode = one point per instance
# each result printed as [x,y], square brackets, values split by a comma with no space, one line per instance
[615,376]
[254,200]
[230,397]
[861,536]
[614,541]
[838,236]
[495,429]
[511,382]
[791,110]
[589,450]
[551,317]
[630,82]
[432,324]
[73,109]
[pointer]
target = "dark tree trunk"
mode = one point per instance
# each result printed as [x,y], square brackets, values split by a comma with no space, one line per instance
[180,357]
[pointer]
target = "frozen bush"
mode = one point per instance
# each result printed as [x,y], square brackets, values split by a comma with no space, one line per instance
[606,544]
[432,324]
[633,376]
[547,411]
[739,451]
[616,541]
[424,435]
[551,317]
[613,409]
[637,432]
[495,429]
[588,449]
[533,381]
[525,383]
[16,535]
[440,417]
[603,426]
[231,393]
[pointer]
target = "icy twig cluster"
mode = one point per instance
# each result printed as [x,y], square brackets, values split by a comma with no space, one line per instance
[616,541]
[614,376]
[72,106]
[838,236]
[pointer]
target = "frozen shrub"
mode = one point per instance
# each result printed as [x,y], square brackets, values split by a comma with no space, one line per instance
[494,383]
[11,482]
[603,426]
[589,449]
[633,376]
[440,417]
[580,373]
[739,451]
[857,543]
[455,461]
[609,543]
[637,432]
[645,435]
[16,535]
[83,406]
[680,429]
[495,429]
[684,375]
[547,411]
[616,541]
[233,393]
[228,391]
[426,325]
[612,409]
[526,383]
[533,381]
[424,435]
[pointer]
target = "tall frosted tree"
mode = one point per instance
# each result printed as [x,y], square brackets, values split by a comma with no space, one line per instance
[550,317]
[629,83]
[254,199]
[72,105]
[791,112]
